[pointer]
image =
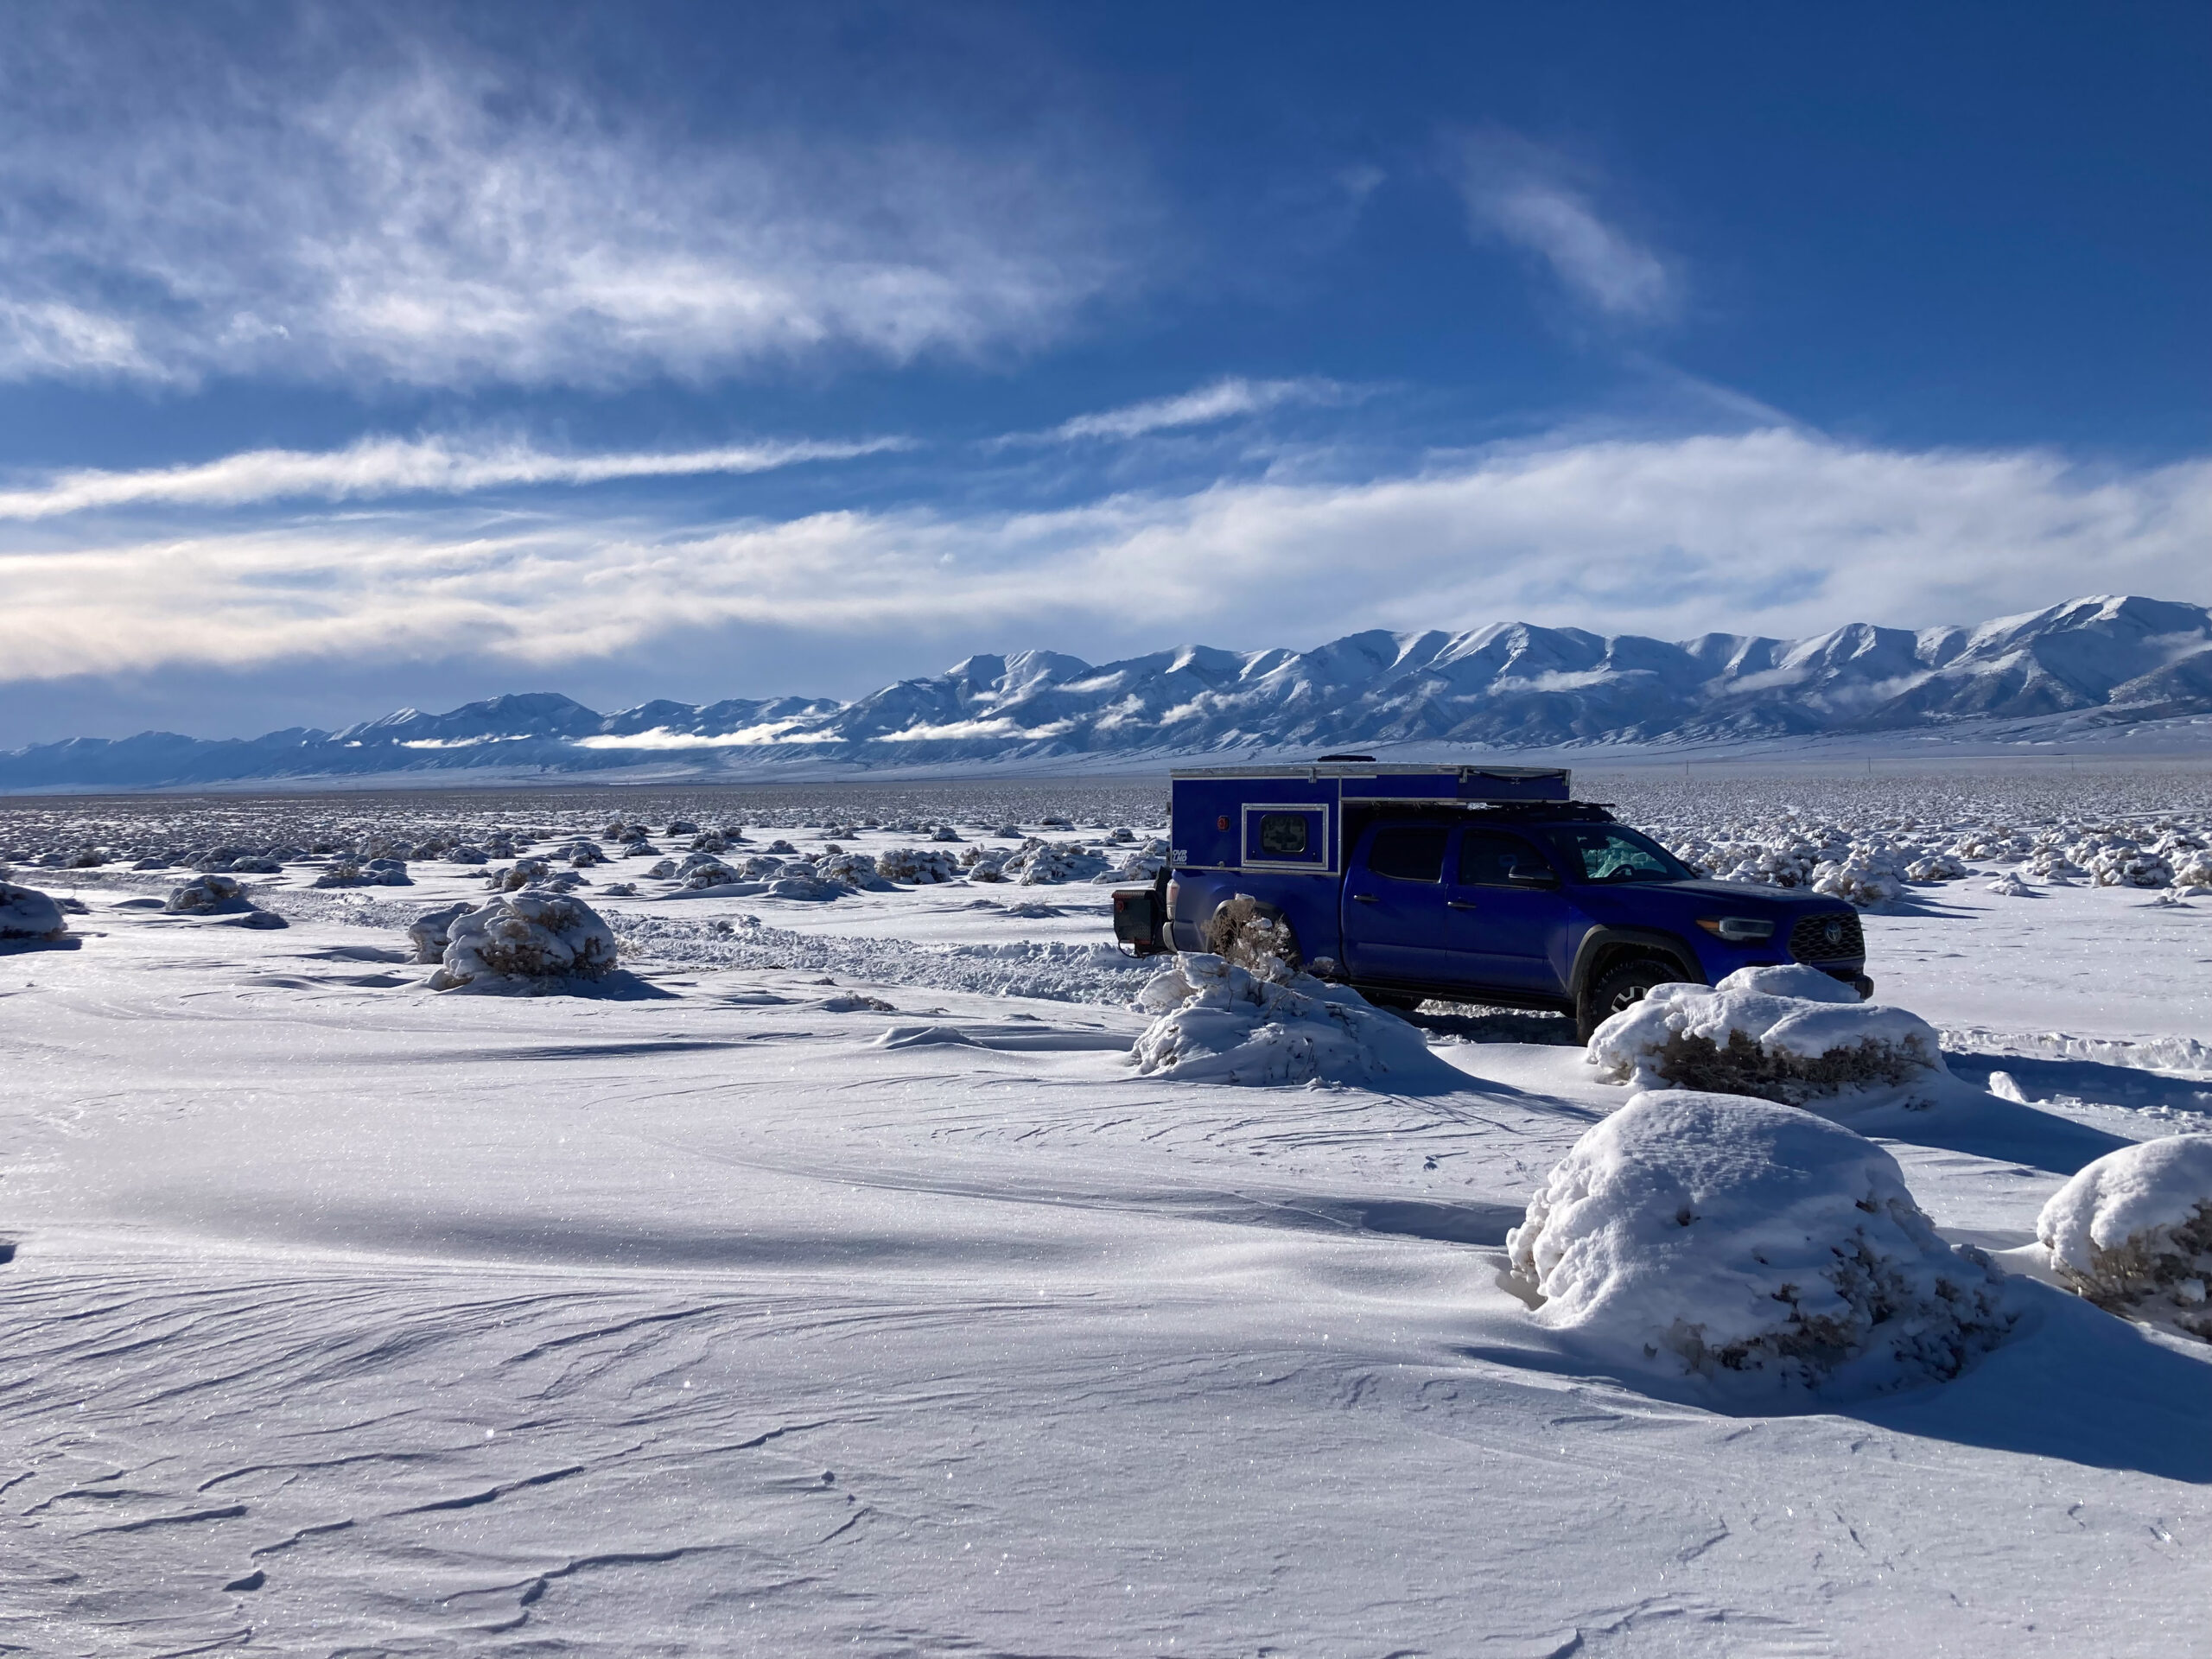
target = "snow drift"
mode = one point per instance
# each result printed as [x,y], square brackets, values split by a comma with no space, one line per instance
[1789,1034]
[27,914]
[1711,1235]
[1222,1023]
[2132,1232]
[527,941]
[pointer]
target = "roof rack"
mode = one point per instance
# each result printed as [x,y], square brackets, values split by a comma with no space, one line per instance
[1357,777]
[1553,812]
[1361,766]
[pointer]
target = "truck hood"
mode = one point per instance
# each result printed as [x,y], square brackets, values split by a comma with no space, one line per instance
[1752,893]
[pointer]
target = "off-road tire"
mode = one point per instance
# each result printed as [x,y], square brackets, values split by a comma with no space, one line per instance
[1622,989]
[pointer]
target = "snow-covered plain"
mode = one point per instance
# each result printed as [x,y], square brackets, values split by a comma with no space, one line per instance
[829,1279]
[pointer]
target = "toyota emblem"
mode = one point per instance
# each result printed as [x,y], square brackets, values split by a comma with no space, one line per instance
[1832,932]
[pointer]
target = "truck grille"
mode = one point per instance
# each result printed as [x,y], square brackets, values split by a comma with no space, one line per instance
[1832,937]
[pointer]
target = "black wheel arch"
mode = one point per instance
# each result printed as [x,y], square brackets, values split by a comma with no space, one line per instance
[1604,949]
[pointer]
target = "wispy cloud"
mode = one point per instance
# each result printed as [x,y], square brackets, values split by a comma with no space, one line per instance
[425,219]
[386,466]
[1777,532]
[1531,196]
[1226,399]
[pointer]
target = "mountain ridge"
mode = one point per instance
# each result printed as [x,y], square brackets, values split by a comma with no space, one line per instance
[2100,661]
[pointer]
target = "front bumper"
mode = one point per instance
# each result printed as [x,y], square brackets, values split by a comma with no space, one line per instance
[1857,980]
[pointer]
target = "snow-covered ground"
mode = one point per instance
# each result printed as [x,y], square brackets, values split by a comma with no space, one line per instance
[831,1281]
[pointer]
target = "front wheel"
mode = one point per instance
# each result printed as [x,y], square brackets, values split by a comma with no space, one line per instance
[1624,987]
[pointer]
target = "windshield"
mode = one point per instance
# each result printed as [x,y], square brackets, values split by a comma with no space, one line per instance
[1611,853]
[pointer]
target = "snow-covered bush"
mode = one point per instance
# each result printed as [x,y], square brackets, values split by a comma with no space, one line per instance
[1036,863]
[2007,884]
[1863,878]
[710,840]
[535,940]
[2125,865]
[1146,861]
[917,866]
[2132,1232]
[856,870]
[375,872]
[1788,865]
[1242,932]
[705,870]
[2193,869]
[1713,1235]
[1942,866]
[1219,1023]
[524,872]
[428,932]
[1790,1034]
[208,895]
[27,914]
[664,871]
[801,878]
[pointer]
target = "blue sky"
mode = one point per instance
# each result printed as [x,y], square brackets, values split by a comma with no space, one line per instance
[698,351]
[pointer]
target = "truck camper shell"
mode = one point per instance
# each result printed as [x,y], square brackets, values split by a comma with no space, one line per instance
[1292,820]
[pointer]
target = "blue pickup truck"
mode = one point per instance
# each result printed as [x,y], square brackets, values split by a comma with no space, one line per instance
[1465,883]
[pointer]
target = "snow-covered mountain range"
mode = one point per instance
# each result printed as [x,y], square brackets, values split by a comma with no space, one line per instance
[2087,665]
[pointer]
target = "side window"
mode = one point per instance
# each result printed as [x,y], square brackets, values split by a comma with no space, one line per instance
[1413,853]
[1282,832]
[1488,858]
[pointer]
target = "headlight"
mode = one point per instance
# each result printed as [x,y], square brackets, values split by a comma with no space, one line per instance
[1737,929]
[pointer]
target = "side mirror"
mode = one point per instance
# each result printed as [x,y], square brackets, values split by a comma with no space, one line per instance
[1531,878]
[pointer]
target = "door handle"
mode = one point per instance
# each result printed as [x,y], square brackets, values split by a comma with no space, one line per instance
[1461,904]
[1362,898]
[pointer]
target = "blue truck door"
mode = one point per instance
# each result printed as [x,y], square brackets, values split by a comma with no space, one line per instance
[1504,933]
[1395,917]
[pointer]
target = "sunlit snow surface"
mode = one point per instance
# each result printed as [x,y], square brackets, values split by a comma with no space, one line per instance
[732,1310]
